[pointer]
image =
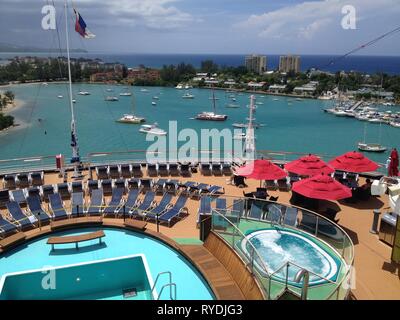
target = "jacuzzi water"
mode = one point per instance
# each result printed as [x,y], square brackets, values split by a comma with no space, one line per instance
[276,247]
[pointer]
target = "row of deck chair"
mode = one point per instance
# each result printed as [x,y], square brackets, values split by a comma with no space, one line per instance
[216,169]
[135,170]
[273,212]
[132,207]
[23,180]
[281,185]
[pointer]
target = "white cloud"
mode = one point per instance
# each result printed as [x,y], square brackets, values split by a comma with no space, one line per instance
[308,19]
[154,14]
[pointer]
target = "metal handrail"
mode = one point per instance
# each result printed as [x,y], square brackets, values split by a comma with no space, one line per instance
[169,284]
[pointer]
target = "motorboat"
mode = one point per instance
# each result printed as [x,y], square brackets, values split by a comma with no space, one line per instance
[125,94]
[111,98]
[156,98]
[130,118]
[179,86]
[188,95]
[152,129]
[60,96]
[73,101]
[211,116]
[153,103]
[84,93]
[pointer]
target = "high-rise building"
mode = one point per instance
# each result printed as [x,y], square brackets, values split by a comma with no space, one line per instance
[256,63]
[289,64]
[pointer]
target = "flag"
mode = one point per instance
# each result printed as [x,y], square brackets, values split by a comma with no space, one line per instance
[80,27]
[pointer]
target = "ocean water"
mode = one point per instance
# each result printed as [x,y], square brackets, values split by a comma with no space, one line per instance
[290,125]
[367,64]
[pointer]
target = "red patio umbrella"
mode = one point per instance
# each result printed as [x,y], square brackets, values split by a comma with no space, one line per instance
[322,187]
[308,166]
[394,164]
[261,170]
[353,162]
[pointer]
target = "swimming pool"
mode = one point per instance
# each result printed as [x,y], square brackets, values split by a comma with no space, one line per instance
[277,247]
[37,254]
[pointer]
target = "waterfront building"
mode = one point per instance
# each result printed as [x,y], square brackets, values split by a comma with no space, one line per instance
[277,88]
[289,63]
[143,74]
[307,89]
[256,85]
[256,63]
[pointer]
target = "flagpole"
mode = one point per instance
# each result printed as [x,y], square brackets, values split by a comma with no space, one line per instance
[74,141]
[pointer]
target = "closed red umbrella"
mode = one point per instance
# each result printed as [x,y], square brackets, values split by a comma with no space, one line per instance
[322,187]
[353,162]
[308,166]
[261,170]
[394,163]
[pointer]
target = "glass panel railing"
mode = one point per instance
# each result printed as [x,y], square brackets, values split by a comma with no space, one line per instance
[234,227]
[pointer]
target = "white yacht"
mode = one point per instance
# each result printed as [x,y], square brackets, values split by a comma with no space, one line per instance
[371,147]
[152,129]
[84,93]
[179,86]
[188,95]
[111,98]
[211,116]
[130,118]
[125,94]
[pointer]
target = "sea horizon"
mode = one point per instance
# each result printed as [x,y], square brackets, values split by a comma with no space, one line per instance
[361,63]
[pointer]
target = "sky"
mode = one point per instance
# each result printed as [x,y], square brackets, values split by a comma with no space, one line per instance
[209,26]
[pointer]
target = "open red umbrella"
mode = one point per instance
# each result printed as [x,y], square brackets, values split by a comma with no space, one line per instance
[308,166]
[353,162]
[394,163]
[322,187]
[261,170]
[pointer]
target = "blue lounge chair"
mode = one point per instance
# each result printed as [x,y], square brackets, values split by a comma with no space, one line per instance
[188,187]
[160,208]
[175,211]
[33,191]
[57,207]
[160,185]
[76,186]
[77,204]
[205,206]
[18,215]
[172,186]
[63,190]
[120,183]
[6,227]
[35,207]
[4,197]
[220,205]
[106,185]
[18,196]
[46,190]
[37,178]
[256,211]
[215,190]
[96,202]
[92,185]
[115,203]
[238,208]
[146,205]
[290,218]
[146,185]
[133,183]
[130,202]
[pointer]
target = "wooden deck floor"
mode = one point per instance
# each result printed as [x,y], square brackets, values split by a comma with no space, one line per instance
[222,283]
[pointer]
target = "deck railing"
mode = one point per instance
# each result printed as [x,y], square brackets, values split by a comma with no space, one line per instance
[233,226]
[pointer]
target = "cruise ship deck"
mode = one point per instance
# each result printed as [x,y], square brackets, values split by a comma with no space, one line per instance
[375,276]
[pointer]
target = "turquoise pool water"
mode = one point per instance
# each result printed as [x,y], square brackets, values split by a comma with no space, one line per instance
[291,125]
[110,279]
[276,247]
[117,243]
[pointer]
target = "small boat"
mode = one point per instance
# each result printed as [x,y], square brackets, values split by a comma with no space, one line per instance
[260,103]
[395,124]
[152,129]
[45,84]
[371,147]
[111,98]
[156,98]
[73,101]
[60,96]
[130,118]
[179,86]
[245,125]
[188,95]
[275,99]
[84,93]
[125,94]
[211,116]
[144,90]
[153,103]
[234,99]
